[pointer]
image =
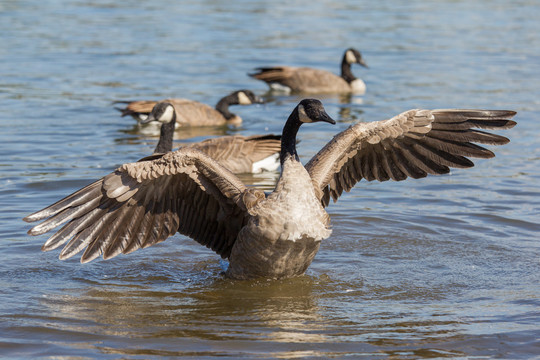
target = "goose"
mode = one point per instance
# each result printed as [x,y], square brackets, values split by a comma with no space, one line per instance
[273,235]
[309,80]
[240,154]
[194,113]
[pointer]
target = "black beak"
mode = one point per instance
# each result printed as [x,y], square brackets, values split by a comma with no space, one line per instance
[326,118]
[361,62]
[150,118]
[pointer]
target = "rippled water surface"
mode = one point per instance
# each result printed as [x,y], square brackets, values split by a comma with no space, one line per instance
[442,267]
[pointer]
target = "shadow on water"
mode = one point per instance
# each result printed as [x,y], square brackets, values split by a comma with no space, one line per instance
[206,315]
[189,317]
[182,132]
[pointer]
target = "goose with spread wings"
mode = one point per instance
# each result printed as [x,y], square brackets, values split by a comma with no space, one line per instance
[274,235]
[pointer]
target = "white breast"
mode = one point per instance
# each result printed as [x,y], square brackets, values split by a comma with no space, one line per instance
[280,88]
[270,163]
[294,206]
[358,86]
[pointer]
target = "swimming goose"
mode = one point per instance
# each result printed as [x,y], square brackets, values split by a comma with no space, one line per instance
[309,80]
[194,113]
[240,154]
[275,235]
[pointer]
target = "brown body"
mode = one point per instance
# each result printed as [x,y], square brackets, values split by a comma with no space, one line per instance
[194,113]
[314,81]
[308,80]
[188,112]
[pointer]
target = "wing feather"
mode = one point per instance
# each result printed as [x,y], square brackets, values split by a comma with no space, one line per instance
[78,198]
[141,204]
[412,144]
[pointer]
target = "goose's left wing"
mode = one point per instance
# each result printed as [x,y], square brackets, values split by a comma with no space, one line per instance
[413,144]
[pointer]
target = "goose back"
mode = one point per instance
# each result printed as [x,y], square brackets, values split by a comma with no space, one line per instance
[303,79]
[188,112]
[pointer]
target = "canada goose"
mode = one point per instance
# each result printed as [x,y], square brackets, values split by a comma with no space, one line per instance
[194,113]
[240,154]
[275,235]
[309,80]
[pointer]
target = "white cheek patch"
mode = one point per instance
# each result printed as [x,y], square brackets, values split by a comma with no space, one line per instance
[167,115]
[302,116]
[243,99]
[350,57]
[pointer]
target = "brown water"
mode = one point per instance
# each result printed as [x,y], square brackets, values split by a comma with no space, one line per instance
[442,267]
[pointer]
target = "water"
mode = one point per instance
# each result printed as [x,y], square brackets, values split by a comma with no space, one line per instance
[443,267]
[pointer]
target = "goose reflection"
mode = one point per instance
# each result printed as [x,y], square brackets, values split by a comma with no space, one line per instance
[166,312]
[153,129]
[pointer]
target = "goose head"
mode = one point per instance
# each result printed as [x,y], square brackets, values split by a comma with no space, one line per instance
[163,112]
[246,97]
[312,110]
[353,56]
[307,111]
[240,97]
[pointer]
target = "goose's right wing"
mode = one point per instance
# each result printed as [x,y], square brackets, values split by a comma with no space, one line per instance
[413,144]
[143,203]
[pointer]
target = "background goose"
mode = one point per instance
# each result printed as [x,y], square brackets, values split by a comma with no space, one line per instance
[194,113]
[309,80]
[240,154]
[275,235]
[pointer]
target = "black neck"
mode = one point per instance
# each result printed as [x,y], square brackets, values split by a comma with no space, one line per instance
[223,106]
[166,135]
[346,72]
[288,138]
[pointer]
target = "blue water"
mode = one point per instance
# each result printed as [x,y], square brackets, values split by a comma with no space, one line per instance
[442,267]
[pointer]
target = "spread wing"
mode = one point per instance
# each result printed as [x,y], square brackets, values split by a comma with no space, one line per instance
[239,153]
[143,203]
[413,144]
